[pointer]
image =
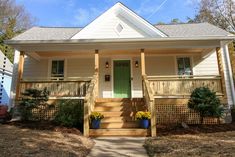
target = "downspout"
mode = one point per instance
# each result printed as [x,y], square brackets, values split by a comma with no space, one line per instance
[227,57]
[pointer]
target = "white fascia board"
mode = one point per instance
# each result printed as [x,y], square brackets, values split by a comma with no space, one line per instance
[124,40]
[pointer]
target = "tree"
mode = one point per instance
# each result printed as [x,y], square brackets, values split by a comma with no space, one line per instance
[206,103]
[175,21]
[13,20]
[216,12]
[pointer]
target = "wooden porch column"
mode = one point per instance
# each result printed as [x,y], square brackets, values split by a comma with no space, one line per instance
[142,56]
[19,74]
[221,71]
[97,68]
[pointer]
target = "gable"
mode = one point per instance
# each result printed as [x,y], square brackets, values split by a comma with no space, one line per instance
[118,22]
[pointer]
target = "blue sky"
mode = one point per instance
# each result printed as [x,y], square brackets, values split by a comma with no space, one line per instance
[78,13]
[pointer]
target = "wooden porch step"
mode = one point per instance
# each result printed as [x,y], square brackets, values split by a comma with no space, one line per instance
[113,104]
[113,109]
[118,119]
[119,132]
[118,125]
[117,114]
[119,100]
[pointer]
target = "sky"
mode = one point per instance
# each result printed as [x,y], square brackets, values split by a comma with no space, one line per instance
[79,13]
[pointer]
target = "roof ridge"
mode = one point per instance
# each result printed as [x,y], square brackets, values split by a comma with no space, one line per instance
[56,27]
[169,24]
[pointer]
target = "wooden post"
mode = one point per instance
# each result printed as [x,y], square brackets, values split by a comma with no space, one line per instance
[20,74]
[97,69]
[153,118]
[142,62]
[221,71]
[86,119]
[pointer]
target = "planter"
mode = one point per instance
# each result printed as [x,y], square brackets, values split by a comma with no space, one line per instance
[95,123]
[144,123]
[233,114]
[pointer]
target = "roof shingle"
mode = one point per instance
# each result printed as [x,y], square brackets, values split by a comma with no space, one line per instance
[47,33]
[174,30]
[192,30]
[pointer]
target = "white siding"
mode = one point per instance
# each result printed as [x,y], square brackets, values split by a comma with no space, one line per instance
[105,26]
[80,67]
[105,88]
[6,68]
[206,65]
[34,68]
[107,29]
[160,65]
[137,79]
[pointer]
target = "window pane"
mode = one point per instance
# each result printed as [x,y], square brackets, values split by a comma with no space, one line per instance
[60,67]
[184,67]
[54,67]
[57,69]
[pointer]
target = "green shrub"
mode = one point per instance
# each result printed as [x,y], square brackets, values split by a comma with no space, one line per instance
[206,103]
[32,99]
[70,113]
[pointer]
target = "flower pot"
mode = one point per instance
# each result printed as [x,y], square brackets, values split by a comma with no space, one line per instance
[95,123]
[144,123]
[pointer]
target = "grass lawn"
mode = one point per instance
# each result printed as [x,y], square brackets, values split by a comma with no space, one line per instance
[206,141]
[17,141]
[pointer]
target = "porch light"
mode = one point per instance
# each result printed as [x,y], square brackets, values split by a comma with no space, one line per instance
[136,64]
[107,65]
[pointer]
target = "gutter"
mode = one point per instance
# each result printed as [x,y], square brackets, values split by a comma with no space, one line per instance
[227,57]
[125,40]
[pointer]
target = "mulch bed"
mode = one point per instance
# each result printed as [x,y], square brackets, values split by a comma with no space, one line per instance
[45,125]
[39,139]
[194,129]
[197,140]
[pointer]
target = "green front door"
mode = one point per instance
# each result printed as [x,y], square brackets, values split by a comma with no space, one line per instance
[122,79]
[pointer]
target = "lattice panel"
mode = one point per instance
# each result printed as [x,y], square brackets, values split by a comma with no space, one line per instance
[174,114]
[48,112]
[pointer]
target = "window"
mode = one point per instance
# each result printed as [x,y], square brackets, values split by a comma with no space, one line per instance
[184,66]
[57,68]
[119,28]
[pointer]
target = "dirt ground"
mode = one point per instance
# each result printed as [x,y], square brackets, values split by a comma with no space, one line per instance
[22,141]
[205,140]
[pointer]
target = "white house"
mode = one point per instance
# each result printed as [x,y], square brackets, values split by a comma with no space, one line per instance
[6,68]
[121,55]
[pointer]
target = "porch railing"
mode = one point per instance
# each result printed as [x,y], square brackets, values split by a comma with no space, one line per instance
[149,100]
[92,94]
[58,88]
[183,85]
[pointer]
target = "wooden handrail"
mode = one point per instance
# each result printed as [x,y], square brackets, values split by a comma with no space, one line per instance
[183,85]
[150,102]
[89,102]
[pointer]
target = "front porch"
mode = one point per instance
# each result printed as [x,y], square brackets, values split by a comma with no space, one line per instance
[161,76]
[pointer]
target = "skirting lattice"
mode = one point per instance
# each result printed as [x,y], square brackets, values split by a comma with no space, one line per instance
[175,114]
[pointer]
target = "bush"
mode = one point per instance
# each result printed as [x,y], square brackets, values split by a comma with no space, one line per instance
[204,101]
[70,113]
[32,99]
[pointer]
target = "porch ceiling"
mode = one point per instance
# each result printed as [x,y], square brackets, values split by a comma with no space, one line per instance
[127,45]
[127,52]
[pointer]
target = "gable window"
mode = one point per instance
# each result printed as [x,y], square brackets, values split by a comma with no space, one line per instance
[57,68]
[184,66]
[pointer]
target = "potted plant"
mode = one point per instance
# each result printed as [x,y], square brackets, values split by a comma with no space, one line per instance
[95,118]
[143,117]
